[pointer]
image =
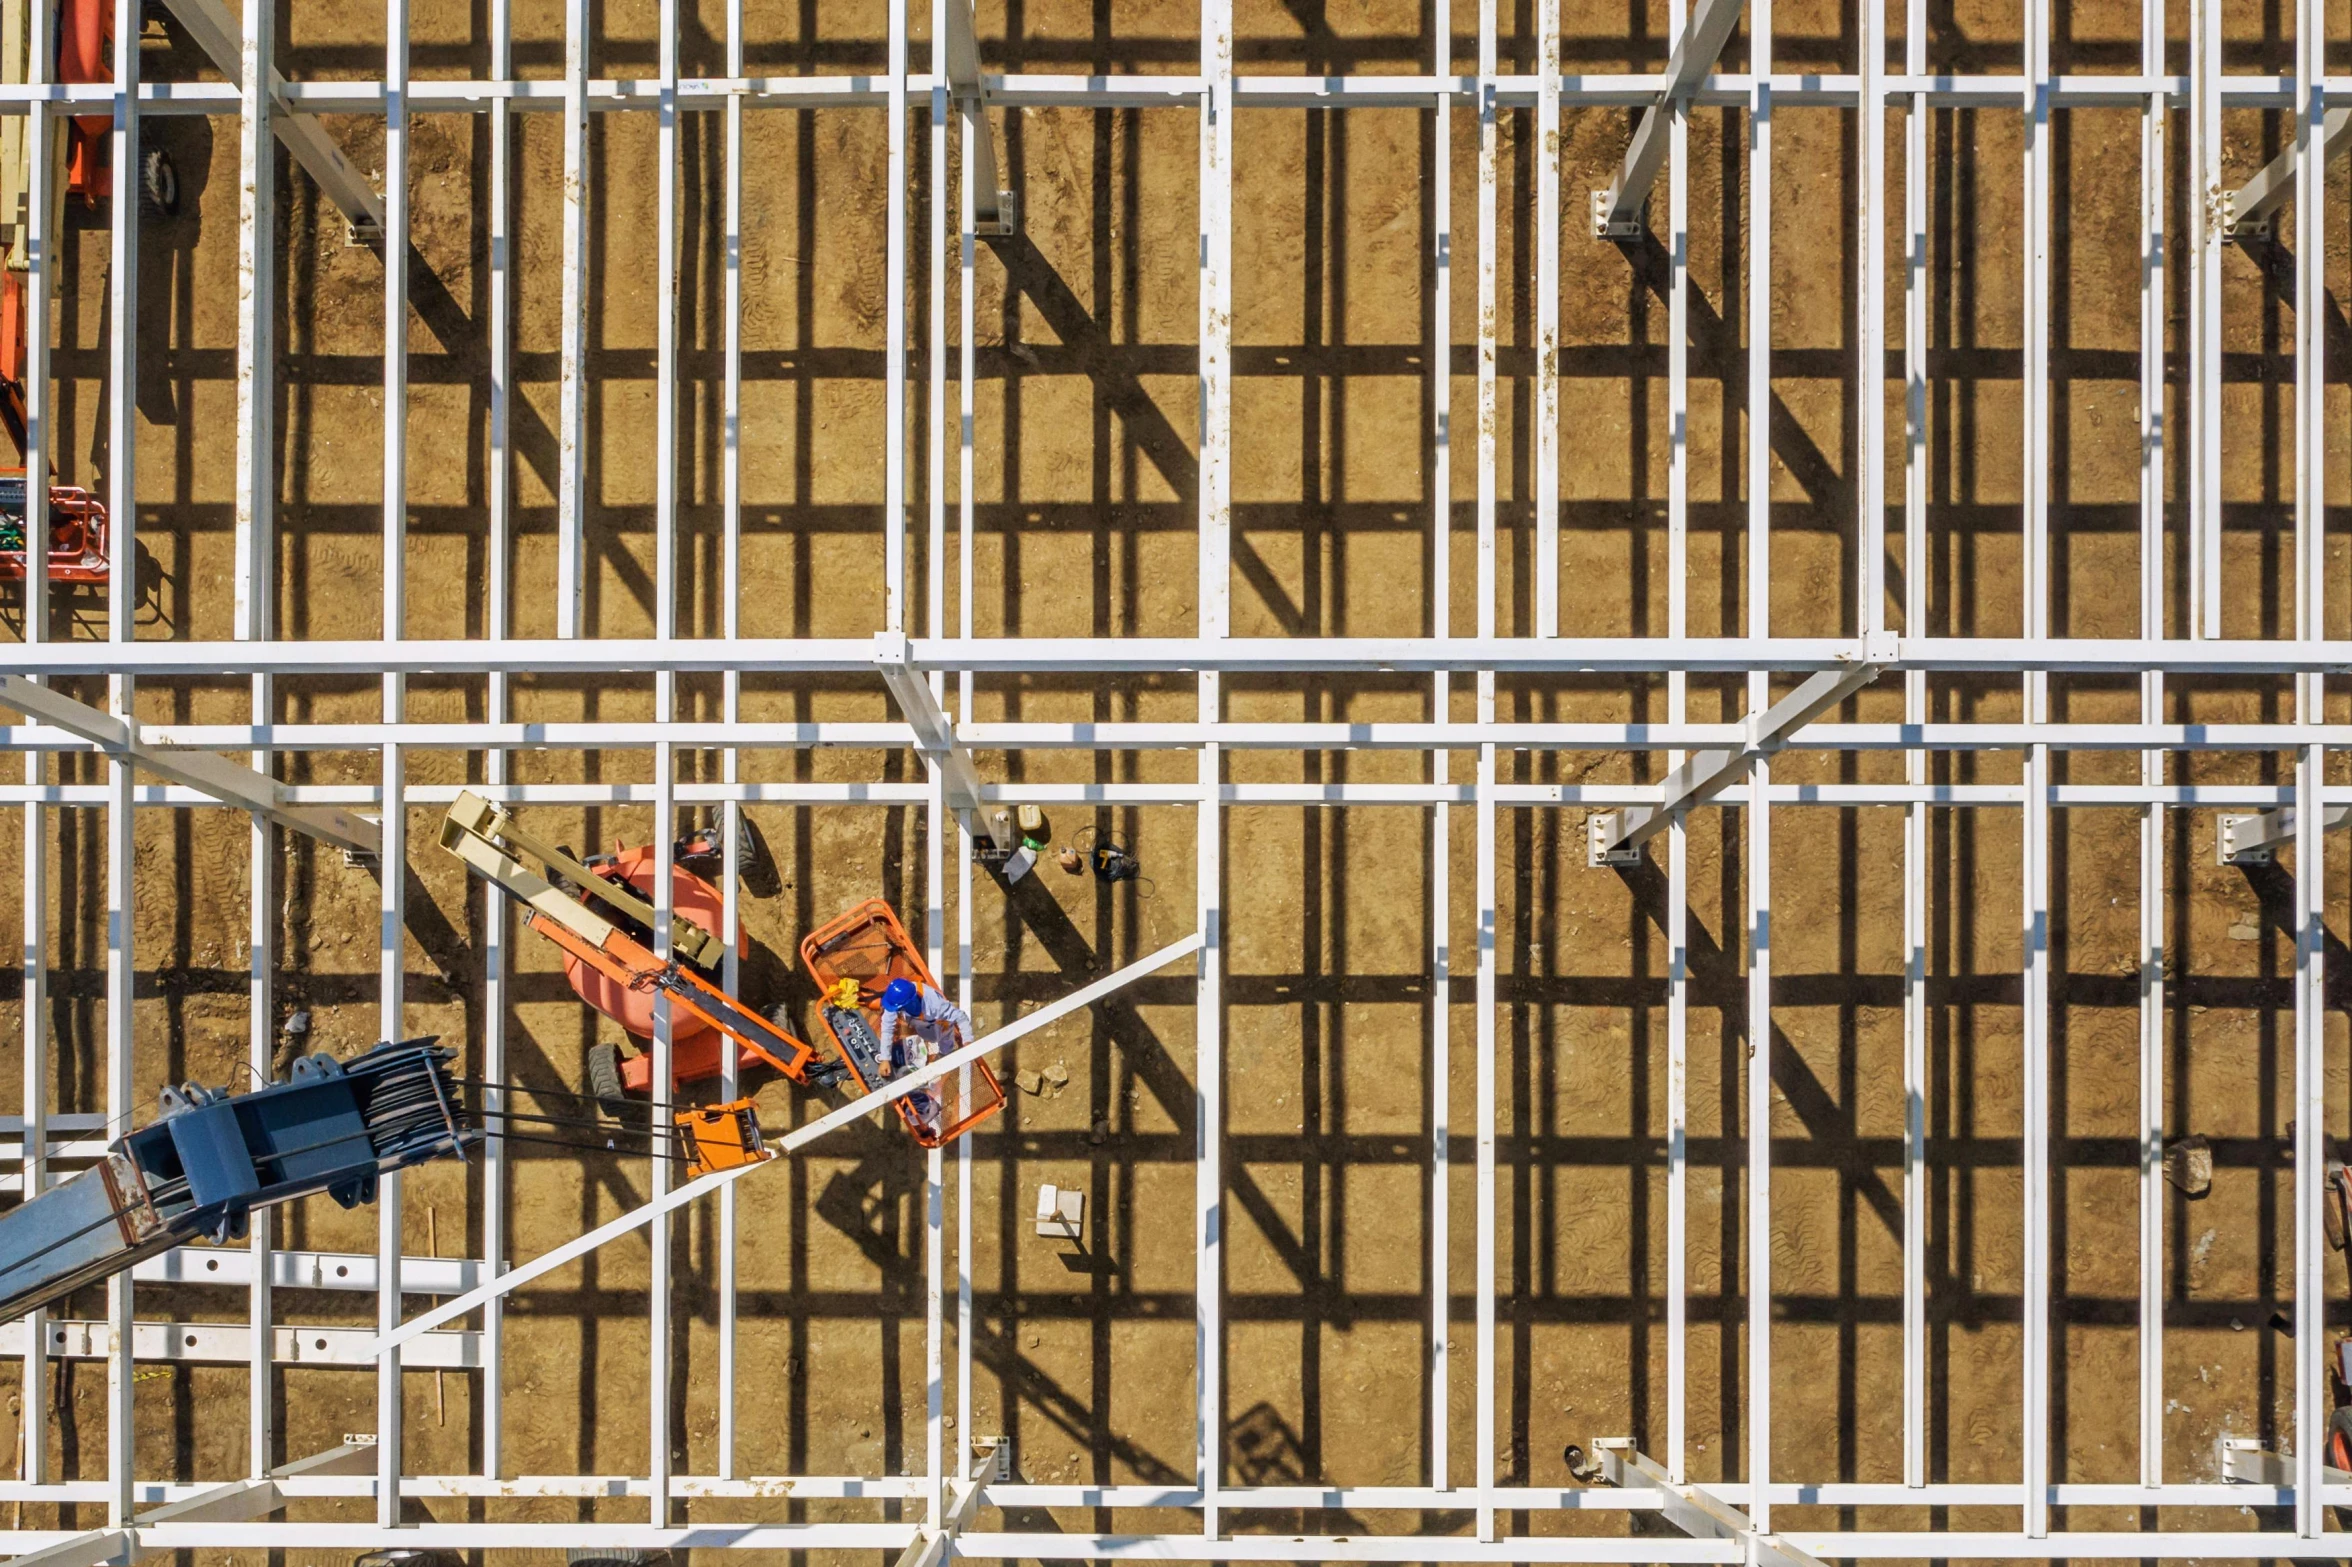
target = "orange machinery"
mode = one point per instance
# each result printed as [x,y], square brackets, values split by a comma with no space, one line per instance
[869,945]
[76,525]
[613,967]
[77,536]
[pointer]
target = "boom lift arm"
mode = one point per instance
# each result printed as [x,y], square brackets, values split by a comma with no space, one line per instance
[486,838]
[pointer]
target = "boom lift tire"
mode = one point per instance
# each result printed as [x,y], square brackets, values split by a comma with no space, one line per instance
[159,186]
[604,1080]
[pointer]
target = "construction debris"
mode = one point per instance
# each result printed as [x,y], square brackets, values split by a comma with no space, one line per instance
[2188,1165]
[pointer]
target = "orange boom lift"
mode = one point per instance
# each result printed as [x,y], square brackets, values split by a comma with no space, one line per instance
[487,838]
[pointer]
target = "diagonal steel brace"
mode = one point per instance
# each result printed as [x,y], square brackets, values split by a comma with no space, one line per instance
[992,206]
[1617,210]
[232,783]
[1616,837]
[935,737]
[1692,1510]
[216,33]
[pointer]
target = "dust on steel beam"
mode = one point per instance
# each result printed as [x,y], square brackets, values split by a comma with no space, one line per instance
[1616,212]
[229,782]
[1617,836]
[1692,1510]
[936,738]
[219,35]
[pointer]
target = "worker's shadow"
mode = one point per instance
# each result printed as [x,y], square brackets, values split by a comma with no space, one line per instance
[866,1201]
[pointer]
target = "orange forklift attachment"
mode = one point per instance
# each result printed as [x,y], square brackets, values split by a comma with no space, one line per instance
[721,1137]
[869,945]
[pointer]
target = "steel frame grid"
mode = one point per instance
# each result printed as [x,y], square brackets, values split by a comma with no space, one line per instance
[1217,93]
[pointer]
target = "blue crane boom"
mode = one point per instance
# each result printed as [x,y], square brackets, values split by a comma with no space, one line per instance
[199,1169]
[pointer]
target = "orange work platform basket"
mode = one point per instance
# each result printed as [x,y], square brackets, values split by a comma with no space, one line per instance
[870,946]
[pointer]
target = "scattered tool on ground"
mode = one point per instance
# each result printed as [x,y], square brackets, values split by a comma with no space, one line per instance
[212,1157]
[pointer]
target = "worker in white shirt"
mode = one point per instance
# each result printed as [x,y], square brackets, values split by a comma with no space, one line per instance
[918,1025]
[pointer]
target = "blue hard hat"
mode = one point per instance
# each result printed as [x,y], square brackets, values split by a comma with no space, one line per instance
[900,995]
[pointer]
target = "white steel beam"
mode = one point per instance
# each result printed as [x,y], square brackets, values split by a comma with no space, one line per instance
[1439,183]
[2155,311]
[1617,211]
[1617,836]
[230,1344]
[226,781]
[1547,324]
[497,918]
[1228,655]
[1916,867]
[1214,621]
[2208,230]
[894,346]
[238,1500]
[2250,206]
[730,695]
[1488,585]
[935,737]
[1677,932]
[224,40]
[122,879]
[992,205]
[571,525]
[2252,839]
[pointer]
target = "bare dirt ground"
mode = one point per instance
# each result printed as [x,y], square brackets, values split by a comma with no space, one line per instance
[1086,498]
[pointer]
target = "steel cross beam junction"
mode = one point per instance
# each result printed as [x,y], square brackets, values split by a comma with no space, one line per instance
[1616,837]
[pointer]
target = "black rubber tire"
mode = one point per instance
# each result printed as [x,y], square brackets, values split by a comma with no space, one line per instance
[159,185]
[609,1556]
[604,1080]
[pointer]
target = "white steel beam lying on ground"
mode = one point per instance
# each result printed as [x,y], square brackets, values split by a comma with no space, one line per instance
[1617,210]
[900,1086]
[935,737]
[226,781]
[1692,1510]
[217,33]
[2250,207]
[1616,836]
[241,1499]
